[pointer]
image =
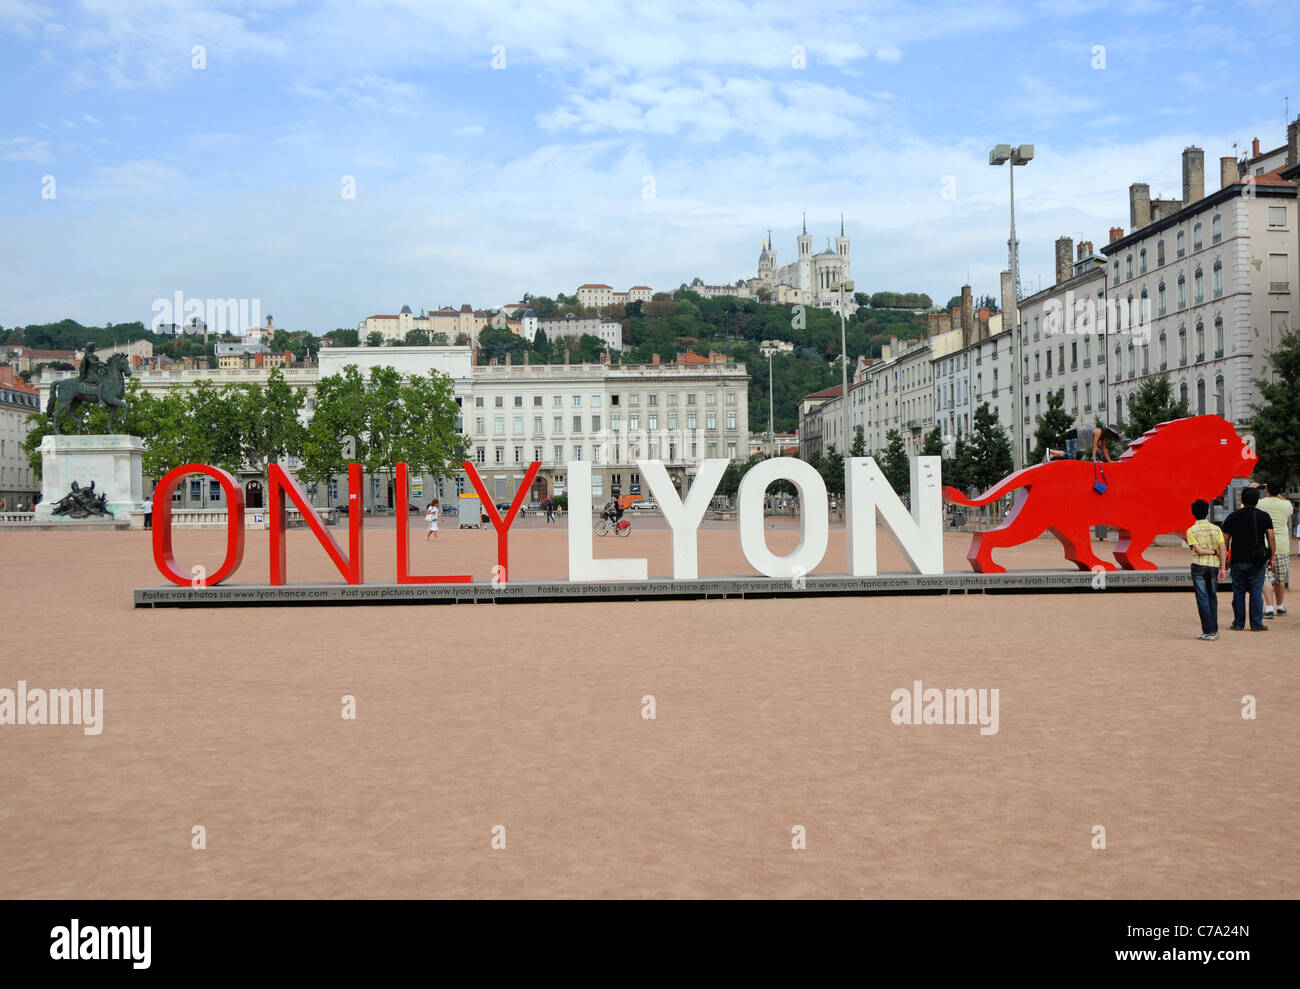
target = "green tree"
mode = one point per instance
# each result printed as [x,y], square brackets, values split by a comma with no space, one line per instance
[270,423]
[957,468]
[374,339]
[496,343]
[990,450]
[1154,403]
[894,463]
[831,468]
[1051,427]
[336,433]
[933,444]
[1277,414]
[343,337]
[417,338]
[858,448]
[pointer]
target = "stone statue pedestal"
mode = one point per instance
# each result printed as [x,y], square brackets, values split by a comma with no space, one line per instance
[112,462]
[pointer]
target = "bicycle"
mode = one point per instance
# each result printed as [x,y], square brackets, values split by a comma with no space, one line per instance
[621,528]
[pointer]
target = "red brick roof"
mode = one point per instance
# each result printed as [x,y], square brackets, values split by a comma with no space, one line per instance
[832,392]
[646,287]
[594,285]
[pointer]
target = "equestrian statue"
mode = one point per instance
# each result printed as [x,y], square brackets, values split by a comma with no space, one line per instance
[97,381]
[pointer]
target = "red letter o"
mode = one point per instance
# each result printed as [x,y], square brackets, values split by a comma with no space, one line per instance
[162,525]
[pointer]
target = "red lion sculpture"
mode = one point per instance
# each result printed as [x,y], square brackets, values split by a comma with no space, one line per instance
[1149,491]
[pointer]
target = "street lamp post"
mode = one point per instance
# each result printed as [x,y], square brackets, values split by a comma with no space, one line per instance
[771,432]
[843,287]
[1019,155]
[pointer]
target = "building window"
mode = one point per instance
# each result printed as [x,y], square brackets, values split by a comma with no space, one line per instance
[577,401]
[1160,253]
[478,401]
[519,454]
[557,425]
[595,401]
[1182,248]
[1196,236]
[634,399]
[518,425]
[499,426]
[500,454]
[537,454]
[672,420]
[690,420]
[1128,268]
[577,424]
[690,398]
[731,398]
[1115,271]
[595,424]
[711,420]
[615,420]
[557,401]
[1218,278]
[1182,393]
[537,424]
[1218,396]
[480,425]
[634,422]
[1160,298]
[1277,218]
[1164,351]
[1182,292]
[731,420]
[1199,282]
[1200,341]
[499,401]
[1182,345]
[1218,336]
[519,401]
[214,491]
[559,453]
[537,404]
[480,454]
[1142,261]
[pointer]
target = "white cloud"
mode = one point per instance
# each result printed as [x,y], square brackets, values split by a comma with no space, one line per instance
[469,130]
[25,149]
[91,120]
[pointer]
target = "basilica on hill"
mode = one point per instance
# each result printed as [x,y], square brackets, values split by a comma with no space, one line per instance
[810,278]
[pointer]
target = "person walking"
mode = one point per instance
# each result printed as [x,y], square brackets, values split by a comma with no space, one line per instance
[1279,572]
[1209,563]
[548,503]
[431,515]
[146,506]
[1249,533]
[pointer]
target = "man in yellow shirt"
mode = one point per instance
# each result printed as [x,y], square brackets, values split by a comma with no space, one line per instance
[1209,564]
[1279,572]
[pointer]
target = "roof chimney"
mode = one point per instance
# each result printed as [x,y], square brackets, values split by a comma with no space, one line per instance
[1139,205]
[1227,171]
[1254,148]
[654,358]
[1064,250]
[967,314]
[1116,233]
[1293,142]
[1193,175]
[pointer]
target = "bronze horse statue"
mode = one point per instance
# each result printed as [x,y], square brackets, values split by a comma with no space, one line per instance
[108,388]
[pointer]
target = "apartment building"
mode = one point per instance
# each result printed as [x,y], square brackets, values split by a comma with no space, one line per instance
[18,401]
[1218,273]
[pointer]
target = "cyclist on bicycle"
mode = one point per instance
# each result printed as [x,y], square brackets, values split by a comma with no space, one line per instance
[613,512]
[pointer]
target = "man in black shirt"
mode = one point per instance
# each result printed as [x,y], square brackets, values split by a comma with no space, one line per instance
[1249,535]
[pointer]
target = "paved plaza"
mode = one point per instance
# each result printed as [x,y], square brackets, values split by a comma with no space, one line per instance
[769,714]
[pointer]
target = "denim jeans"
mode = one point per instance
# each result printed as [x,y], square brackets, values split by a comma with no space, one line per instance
[1247,579]
[1205,581]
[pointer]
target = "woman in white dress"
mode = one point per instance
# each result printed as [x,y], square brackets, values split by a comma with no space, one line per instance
[431,516]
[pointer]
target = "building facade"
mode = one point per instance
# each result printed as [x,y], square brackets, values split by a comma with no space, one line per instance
[1217,274]
[19,484]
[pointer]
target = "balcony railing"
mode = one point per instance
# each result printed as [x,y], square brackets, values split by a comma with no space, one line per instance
[1219,352]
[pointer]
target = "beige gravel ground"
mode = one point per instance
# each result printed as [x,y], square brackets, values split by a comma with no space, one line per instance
[770,714]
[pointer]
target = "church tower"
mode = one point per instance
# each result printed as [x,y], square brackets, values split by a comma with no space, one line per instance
[766,260]
[805,276]
[842,242]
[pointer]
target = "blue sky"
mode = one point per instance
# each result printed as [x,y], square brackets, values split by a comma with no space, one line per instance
[475,184]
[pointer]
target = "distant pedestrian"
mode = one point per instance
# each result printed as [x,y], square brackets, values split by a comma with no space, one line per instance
[431,516]
[1279,573]
[548,503]
[146,506]
[1250,547]
[1209,562]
